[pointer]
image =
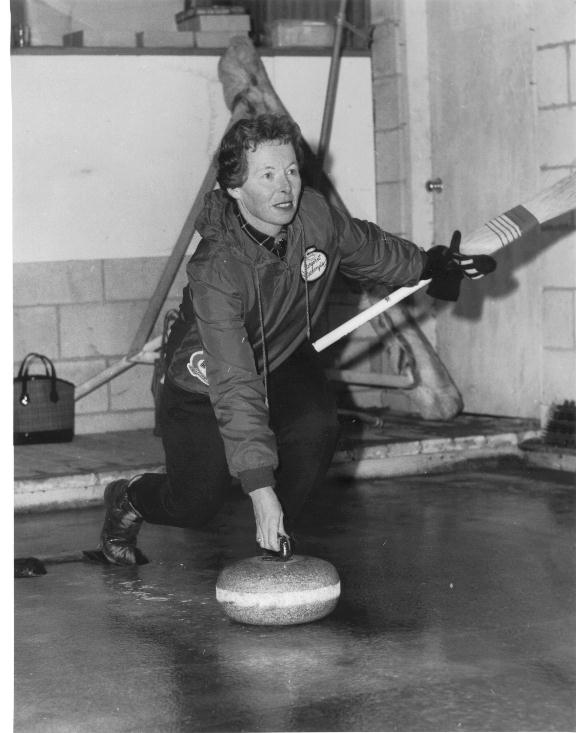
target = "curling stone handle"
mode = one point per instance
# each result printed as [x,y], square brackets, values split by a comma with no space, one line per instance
[285,548]
[283,554]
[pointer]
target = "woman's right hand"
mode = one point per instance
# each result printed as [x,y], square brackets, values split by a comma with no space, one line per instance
[269,518]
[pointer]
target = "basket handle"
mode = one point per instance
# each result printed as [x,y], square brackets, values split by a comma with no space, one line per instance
[24,376]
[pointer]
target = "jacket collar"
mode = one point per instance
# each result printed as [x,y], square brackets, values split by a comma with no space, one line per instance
[276,245]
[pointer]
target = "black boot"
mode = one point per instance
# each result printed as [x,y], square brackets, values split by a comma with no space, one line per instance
[121,526]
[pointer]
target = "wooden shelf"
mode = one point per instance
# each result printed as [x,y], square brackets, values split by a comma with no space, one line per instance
[170,51]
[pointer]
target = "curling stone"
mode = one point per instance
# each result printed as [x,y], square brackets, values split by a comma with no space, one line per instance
[278,590]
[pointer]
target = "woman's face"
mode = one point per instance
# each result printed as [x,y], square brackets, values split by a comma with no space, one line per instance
[268,199]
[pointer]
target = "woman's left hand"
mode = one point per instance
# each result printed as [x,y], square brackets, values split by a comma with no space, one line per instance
[269,518]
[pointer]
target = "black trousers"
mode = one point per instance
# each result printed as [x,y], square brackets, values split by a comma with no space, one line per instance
[303,417]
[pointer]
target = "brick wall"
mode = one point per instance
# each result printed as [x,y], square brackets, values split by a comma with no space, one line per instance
[389,118]
[83,315]
[555,78]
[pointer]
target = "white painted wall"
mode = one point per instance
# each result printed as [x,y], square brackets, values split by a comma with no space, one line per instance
[525,326]
[109,151]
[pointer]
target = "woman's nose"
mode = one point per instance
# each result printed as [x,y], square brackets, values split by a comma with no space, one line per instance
[285,183]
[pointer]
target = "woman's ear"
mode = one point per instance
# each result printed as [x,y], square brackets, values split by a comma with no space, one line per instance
[234,193]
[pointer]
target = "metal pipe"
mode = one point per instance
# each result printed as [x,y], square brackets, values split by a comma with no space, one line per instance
[331,91]
[371,379]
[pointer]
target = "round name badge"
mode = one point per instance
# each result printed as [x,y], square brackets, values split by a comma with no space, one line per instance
[313,265]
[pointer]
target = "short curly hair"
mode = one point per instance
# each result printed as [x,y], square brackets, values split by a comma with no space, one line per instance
[248,134]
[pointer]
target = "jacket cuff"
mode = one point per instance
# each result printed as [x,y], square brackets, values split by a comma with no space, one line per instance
[257,478]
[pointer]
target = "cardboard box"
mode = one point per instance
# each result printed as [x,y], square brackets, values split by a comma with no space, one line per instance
[166,39]
[315,33]
[223,22]
[209,10]
[126,15]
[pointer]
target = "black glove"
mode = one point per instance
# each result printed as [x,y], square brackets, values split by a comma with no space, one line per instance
[446,267]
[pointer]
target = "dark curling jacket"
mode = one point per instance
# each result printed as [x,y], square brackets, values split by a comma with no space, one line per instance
[245,311]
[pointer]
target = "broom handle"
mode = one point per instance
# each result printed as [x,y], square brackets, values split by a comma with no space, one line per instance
[553,201]
[177,255]
[366,315]
[117,368]
[550,202]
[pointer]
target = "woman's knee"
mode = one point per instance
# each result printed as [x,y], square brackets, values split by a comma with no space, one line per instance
[315,424]
[190,512]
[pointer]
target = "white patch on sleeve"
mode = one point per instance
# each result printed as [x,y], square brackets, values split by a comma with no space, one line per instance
[197,366]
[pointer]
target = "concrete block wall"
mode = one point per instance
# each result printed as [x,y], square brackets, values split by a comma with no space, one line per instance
[554,67]
[83,315]
[136,158]
[389,118]
[555,79]
[362,351]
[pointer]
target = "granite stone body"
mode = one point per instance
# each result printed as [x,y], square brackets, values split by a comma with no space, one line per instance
[268,591]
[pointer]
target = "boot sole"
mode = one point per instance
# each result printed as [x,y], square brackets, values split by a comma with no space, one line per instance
[100,557]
